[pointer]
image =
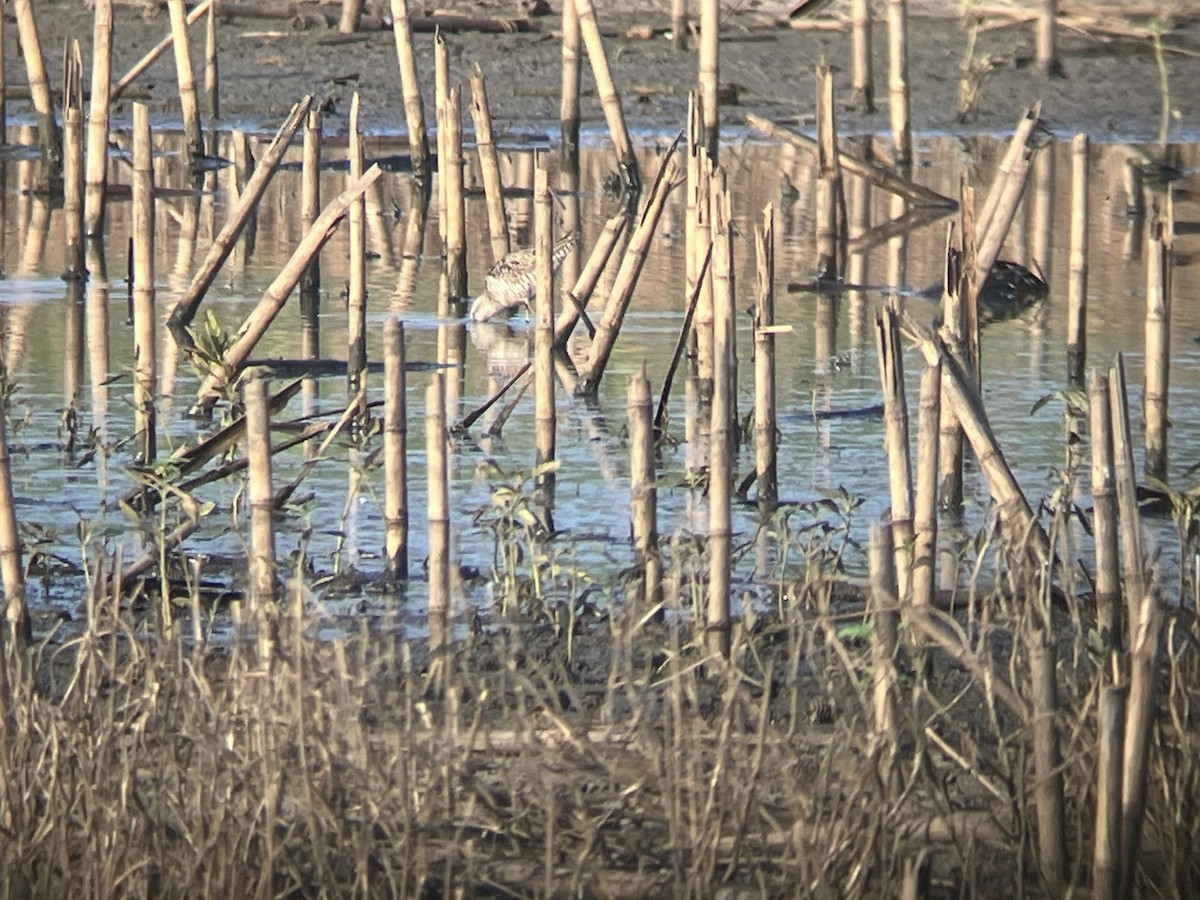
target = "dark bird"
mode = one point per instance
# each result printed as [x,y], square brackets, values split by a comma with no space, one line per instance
[510,282]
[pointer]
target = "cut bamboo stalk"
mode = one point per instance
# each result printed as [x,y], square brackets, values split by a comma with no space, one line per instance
[885,621]
[709,75]
[996,228]
[351,18]
[1106,847]
[898,98]
[262,594]
[1018,147]
[395,450]
[954,321]
[414,109]
[189,107]
[723,424]
[438,515]
[1046,51]
[925,507]
[765,427]
[489,164]
[863,77]
[1146,629]
[73,162]
[356,306]
[643,489]
[622,289]
[145,321]
[1077,278]
[1158,350]
[222,245]
[572,73]
[895,417]
[858,214]
[916,194]
[441,87]
[543,336]
[97,127]
[49,139]
[589,276]
[1135,194]
[310,200]
[277,293]
[12,571]
[158,50]
[3,108]
[212,74]
[1047,762]
[699,239]
[829,178]
[614,115]
[1133,561]
[679,25]
[456,210]
[1104,512]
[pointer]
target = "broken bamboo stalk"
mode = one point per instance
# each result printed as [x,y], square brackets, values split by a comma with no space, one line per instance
[395,450]
[455,210]
[898,84]
[863,70]
[895,417]
[572,72]
[156,51]
[765,425]
[723,424]
[145,321]
[49,138]
[310,200]
[97,125]
[544,414]
[708,82]
[829,178]
[1077,278]
[262,594]
[585,284]
[1156,375]
[925,505]
[489,164]
[885,639]
[414,109]
[643,490]
[189,107]
[1104,512]
[356,305]
[73,161]
[1133,560]
[438,510]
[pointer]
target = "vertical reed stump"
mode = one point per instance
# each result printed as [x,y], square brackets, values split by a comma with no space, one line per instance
[898,99]
[643,490]
[438,516]
[765,427]
[1077,278]
[212,74]
[543,336]
[572,71]
[925,511]
[49,138]
[310,204]
[1047,760]
[73,161]
[12,571]
[829,177]
[679,25]
[1104,512]
[1106,847]
[699,240]
[395,450]
[885,619]
[414,109]
[1046,52]
[1133,560]
[862,37]
[262,594]
[145,321]
[97,125]
[1158,349]
[709,75]
[356,329]
[723,425]
[351,18]
[193,139]
[456,210]
[895,416]
[3,89]
[489,163]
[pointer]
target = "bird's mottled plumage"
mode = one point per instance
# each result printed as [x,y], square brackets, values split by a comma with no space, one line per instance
[510,282]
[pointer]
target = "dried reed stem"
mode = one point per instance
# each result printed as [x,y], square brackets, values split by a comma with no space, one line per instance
[1077,278]
[261,500]
[212,74]
[1046,51]
[97,125]
[3,104]
[614,115]
[589,276]
[723,423]
[1106,848]
[158,50]
[73,161]
[395,450]
[925,506]
[885,621]
[699,241]
[351,17]
[898,99]
[829,177]
[1104,512]
[679,25]
[489,164]
[12,571]
[438,515]
[643,489]
[862,37]
[544,414]
[1158,349]
[193,139]
[414,109]
[572,72]
[145,321]
[895,418]
[1047,761]
[765,425]
[1133,561]
[49,139]
[456,210]
[310,197]
[356,306]
[708,81]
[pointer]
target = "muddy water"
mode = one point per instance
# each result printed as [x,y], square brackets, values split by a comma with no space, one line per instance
[68,349]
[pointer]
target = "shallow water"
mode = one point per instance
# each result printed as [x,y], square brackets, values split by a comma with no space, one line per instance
[68,350]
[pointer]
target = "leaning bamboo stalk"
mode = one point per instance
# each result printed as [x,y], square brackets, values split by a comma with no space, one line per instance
[49,139]
[1047,762]
[12,571]
[156,51]
[1018,147]
[223,243]
[414,109]
[543,336]
[572,72]
[863,71]
[456,211]
[438,514]
[356,306]
[1104,512]
[144,318]
[1133,573]
[925,506]
[277,292]
[489,164]
[914,193]
[996,228]
[212,73]
[722,423]
[310,195]
[1077,278]
[614,115]
[262,593]
[709,75]
[97,127]
[643,491]
[189,107]
[589,276]
[885,620]
[1106,847]
[626,280]
[898,90]
[1158,351]
[1146,629]
[395,450]
[73,161]
[1046,45]
[765,426]
[895,416]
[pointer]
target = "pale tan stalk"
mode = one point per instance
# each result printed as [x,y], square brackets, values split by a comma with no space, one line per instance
[489,164]
[145,324]
[97,126]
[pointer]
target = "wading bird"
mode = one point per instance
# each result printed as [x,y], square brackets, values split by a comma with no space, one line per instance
[510,282]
